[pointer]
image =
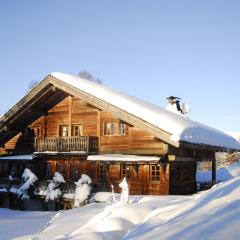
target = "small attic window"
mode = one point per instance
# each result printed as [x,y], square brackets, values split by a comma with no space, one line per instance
[114,129]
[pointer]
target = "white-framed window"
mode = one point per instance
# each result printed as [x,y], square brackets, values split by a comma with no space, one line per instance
[154,173]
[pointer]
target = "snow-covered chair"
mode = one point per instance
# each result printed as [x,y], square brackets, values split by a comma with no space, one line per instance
[83,191]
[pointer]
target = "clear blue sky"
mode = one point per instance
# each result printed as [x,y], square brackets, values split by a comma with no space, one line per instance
[150,49]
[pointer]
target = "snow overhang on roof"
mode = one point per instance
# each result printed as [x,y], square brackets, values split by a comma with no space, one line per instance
[179,128]
[165,125]
[122,158]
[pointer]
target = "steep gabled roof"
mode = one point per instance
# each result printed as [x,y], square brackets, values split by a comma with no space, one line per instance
[168,126]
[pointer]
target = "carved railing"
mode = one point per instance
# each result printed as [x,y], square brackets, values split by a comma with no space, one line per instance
[88,144]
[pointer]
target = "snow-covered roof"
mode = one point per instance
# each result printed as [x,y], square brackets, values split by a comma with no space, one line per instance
[180,128]
[18,157]
[122,158]
[235,135]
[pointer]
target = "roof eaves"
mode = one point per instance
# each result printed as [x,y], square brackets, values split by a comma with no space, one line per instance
[125,116]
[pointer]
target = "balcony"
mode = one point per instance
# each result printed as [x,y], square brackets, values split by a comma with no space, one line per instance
[86,144]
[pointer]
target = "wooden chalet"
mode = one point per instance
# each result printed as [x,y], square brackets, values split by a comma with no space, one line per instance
[74,126]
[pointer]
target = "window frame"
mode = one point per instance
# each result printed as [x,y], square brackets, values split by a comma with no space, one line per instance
[124,128]
[116,129]
[65,168]
[153,170]
[61,130]
[125,171]
[80,130]
[74,171]
[105,128]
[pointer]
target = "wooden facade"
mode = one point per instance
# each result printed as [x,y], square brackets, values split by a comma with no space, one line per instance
[84,134]
[62,126]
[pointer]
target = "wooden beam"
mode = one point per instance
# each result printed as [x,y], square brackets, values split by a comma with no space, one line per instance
[147,152]
[121,114]
[70,103]
[37,110]
[40,87]
[21,108]
[99,128]
[213,171]
[202,146]
[130,138]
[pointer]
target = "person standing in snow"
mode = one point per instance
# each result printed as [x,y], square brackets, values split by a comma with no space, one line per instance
[125,191]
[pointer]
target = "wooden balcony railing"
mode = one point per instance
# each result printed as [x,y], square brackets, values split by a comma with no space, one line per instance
[88,144]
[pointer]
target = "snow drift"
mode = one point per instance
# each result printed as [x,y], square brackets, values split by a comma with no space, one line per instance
[213,214]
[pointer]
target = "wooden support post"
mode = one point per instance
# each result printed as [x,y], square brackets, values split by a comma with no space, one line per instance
[213,171]
[70,103]
[45,126]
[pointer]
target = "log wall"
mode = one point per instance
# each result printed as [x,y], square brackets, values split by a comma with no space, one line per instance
[75,111]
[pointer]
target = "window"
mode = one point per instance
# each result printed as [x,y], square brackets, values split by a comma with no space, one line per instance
[154,173]
[75,171]
[102,171]
[125,171]
[63,131]
[109,128]
[77,130]
[61,168]
[49,171]
[115,128]
[122,129]
[4,169]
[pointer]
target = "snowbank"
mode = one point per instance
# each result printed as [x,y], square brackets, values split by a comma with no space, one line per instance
[234,169]
[212,214]
[222,174]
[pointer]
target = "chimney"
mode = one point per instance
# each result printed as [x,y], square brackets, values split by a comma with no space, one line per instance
[174,105]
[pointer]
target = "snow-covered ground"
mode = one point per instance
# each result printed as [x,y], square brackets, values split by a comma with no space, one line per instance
[213,214]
